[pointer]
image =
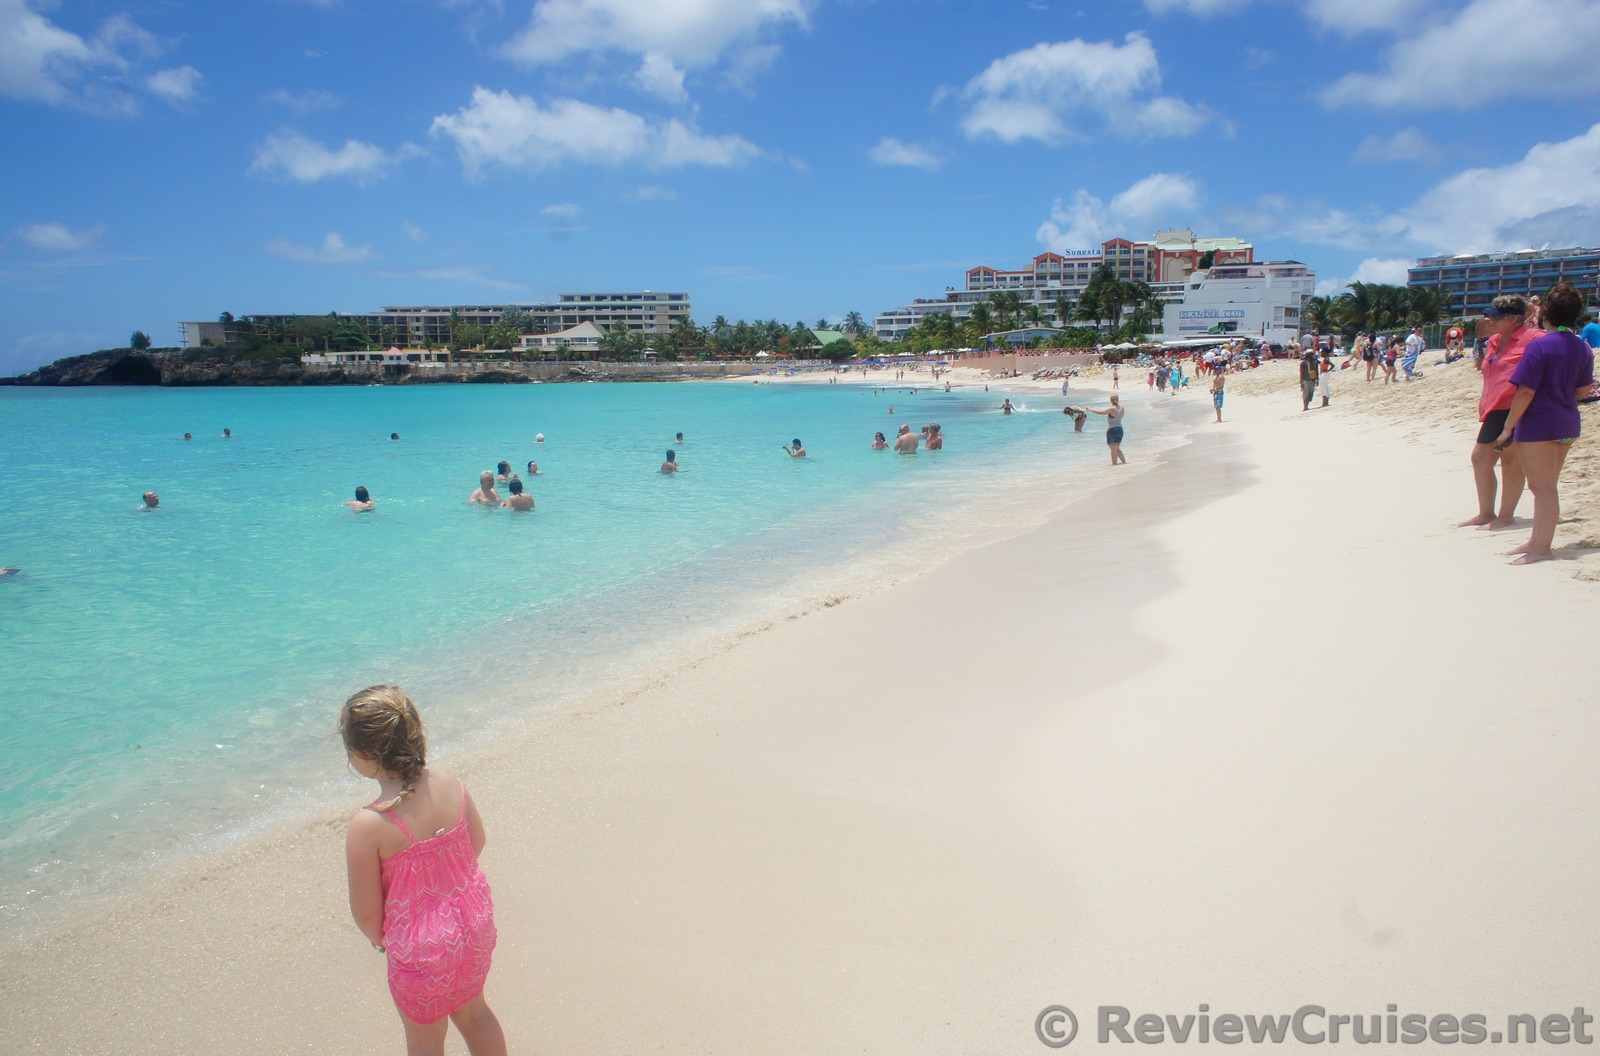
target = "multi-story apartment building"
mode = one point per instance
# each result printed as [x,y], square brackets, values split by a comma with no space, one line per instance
[415,326]
[1165,263]
[1477,279]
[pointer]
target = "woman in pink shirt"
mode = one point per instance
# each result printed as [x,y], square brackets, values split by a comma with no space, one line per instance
[1509,340]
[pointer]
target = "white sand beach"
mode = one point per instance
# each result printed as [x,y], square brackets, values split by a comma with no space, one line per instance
[1253,727]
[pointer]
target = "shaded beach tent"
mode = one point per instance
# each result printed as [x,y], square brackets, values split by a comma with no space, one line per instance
[763,355]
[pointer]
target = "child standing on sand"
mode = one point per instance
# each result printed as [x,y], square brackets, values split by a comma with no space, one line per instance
[422,902]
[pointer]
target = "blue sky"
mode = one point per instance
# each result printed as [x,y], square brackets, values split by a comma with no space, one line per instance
[797,159]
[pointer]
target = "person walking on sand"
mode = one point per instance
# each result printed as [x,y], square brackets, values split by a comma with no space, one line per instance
[1507,343]
[1219,382]
[1308,378]
[1116,378]
[1556,370]
[1113,415]
[1415,343]
[423,903]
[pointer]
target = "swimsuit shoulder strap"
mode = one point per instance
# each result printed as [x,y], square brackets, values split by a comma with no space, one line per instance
[392,816]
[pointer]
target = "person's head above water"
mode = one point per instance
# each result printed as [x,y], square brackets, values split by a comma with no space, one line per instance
[672,456]
[538,438]
[679,438]
[503,468]
[486,479]
[151,499]
[381,724]
[515,486]
[394,436]
[877,436]
[362,495]
[797,442]
[533,467]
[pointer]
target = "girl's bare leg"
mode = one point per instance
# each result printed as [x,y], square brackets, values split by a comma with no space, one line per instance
[480,1028]
[424,1039]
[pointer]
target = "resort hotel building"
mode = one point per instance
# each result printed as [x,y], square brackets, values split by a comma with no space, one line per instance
[1476,280]
[418,326]
[1238,296]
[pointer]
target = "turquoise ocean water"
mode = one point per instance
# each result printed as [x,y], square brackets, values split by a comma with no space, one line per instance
[169,679]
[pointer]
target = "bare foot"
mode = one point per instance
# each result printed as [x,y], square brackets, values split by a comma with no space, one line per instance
[1519,550]
[1529,559]
[1481,519]
[1497,524]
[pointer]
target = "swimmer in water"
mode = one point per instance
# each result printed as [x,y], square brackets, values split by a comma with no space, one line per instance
[533,468]
[485,495]
[226,433]
[503,472]
[671,464]
[519,500]
[797,451]
[538,438]
[878,442]
[905,442]
[935,437]
[362,502]
[151,501]
[394,436]
[1006,408]
[679,439]
[188,436]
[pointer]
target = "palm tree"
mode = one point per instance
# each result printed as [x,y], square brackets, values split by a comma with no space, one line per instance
[1427,304]
[981,321]
[1318,315]
[1007,306]
[821,324]
[1063,309]
[853,323]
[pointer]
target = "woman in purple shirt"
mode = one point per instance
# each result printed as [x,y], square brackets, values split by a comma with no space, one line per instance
[1544,421]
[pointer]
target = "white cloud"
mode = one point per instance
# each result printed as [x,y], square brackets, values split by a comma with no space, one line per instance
[564,210]
[334,250]
[306,102]
[291,156]
[1384,270]
[515,132]
[1359,16]
[1158,200]
[654,194]
[41,62]
[1408,144]
[660,76]
[1199,8]
[689,33]
[1047,91]
[55,237]
[1545,49]
[413,232]
[1551,195]
[177,86]
[890,151]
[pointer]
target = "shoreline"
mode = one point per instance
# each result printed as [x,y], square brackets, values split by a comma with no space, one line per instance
[787,591]
[958,819]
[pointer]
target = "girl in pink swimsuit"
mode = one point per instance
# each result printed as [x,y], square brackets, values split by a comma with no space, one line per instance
[415,887]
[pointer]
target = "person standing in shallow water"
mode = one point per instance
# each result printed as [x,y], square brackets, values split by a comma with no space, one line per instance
[1113,415]
[798,450]
[1219,382]
[671,464]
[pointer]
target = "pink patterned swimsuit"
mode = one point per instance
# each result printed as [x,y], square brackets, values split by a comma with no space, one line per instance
[438,922]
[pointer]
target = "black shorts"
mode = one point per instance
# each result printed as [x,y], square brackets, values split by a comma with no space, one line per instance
[1494,423]
[1114,435]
